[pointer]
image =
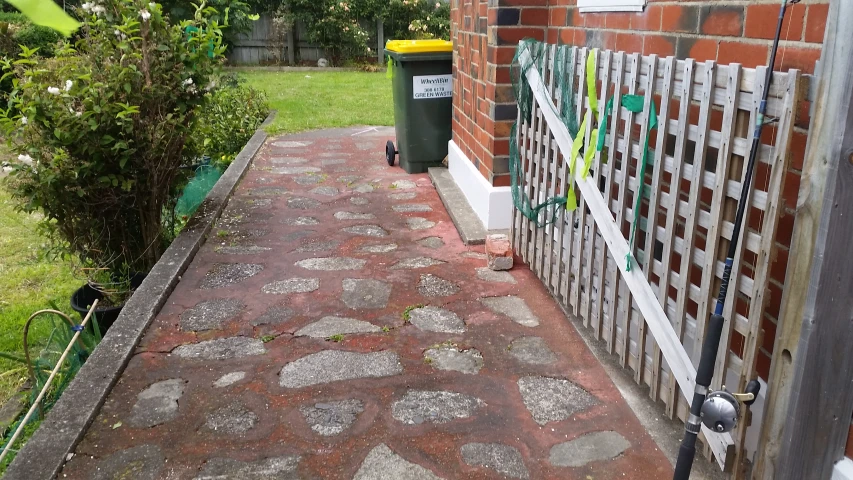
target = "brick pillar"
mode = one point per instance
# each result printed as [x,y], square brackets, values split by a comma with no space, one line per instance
[485,34]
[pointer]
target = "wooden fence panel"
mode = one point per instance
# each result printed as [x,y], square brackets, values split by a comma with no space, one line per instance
[694,176]
[265,44]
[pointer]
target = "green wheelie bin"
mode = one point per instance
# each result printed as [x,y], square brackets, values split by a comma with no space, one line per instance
[422,81]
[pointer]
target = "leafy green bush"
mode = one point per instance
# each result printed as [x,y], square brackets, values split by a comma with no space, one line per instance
[100,130]
[331,24]
[13,17]
[16,29]
[35,36]
[417,19]
[241,14]
[227,120]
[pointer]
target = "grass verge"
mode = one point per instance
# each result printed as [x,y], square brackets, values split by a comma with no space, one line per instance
[28,282]
[312,100]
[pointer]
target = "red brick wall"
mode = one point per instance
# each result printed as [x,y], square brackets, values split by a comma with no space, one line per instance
[725,31]
[483,101]
[485,33]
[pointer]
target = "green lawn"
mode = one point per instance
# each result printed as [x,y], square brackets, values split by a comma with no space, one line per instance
[312,100]
[28,282]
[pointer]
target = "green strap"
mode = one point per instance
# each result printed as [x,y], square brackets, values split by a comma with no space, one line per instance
[634,103]
[603,124]
[592,97]
[591,94]
[572,200]
[589,153]
[389,73]
[577,144]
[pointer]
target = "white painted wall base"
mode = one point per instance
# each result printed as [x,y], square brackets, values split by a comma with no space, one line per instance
[843,470]
[493,205]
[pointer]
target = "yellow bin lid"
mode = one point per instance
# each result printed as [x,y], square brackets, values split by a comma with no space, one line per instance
[419,46]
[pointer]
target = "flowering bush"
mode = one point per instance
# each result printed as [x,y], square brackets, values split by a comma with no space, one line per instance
[333,25]
[100,129]
[343,27]
[417,19]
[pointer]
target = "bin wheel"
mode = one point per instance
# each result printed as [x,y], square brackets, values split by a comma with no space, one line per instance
[390,153]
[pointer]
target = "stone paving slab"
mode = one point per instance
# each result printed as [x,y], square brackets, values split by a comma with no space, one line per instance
[284,351]
[280,468]
[504,459]
[331,418]
[337,365]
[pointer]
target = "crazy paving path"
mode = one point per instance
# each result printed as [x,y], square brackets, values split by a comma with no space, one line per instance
[334,326]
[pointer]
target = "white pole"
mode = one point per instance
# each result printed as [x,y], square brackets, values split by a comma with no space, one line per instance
[47,383]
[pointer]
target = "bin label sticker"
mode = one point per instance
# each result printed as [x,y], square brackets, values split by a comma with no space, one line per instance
[432,86]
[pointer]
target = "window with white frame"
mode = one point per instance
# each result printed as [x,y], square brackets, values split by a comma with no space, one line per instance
[611,5]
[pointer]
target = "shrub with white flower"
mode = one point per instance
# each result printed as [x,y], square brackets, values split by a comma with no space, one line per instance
[343,27]
[109,135]
[424,19]
[333,25]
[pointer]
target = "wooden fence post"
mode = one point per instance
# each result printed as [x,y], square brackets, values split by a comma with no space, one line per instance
[380,40]
[291,45]
[811,400]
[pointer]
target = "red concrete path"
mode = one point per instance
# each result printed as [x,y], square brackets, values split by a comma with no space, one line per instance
[254,426]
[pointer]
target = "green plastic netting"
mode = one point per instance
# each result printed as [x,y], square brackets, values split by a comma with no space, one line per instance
[196,190]
[564,81]
[594,121]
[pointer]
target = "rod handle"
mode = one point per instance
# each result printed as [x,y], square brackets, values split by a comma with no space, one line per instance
[707,361]
[686,454]
[753,387]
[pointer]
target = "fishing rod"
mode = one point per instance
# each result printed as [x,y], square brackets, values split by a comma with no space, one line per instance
[719,410]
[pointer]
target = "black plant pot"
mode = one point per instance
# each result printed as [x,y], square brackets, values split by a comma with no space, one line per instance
[83,298]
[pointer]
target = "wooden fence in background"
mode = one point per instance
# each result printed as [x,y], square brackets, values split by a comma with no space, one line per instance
[264,44]
[268,44]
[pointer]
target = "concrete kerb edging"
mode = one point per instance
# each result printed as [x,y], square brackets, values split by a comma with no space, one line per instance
[45,453]
[467,222]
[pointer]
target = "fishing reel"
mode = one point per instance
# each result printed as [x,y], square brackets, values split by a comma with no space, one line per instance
[721,409]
